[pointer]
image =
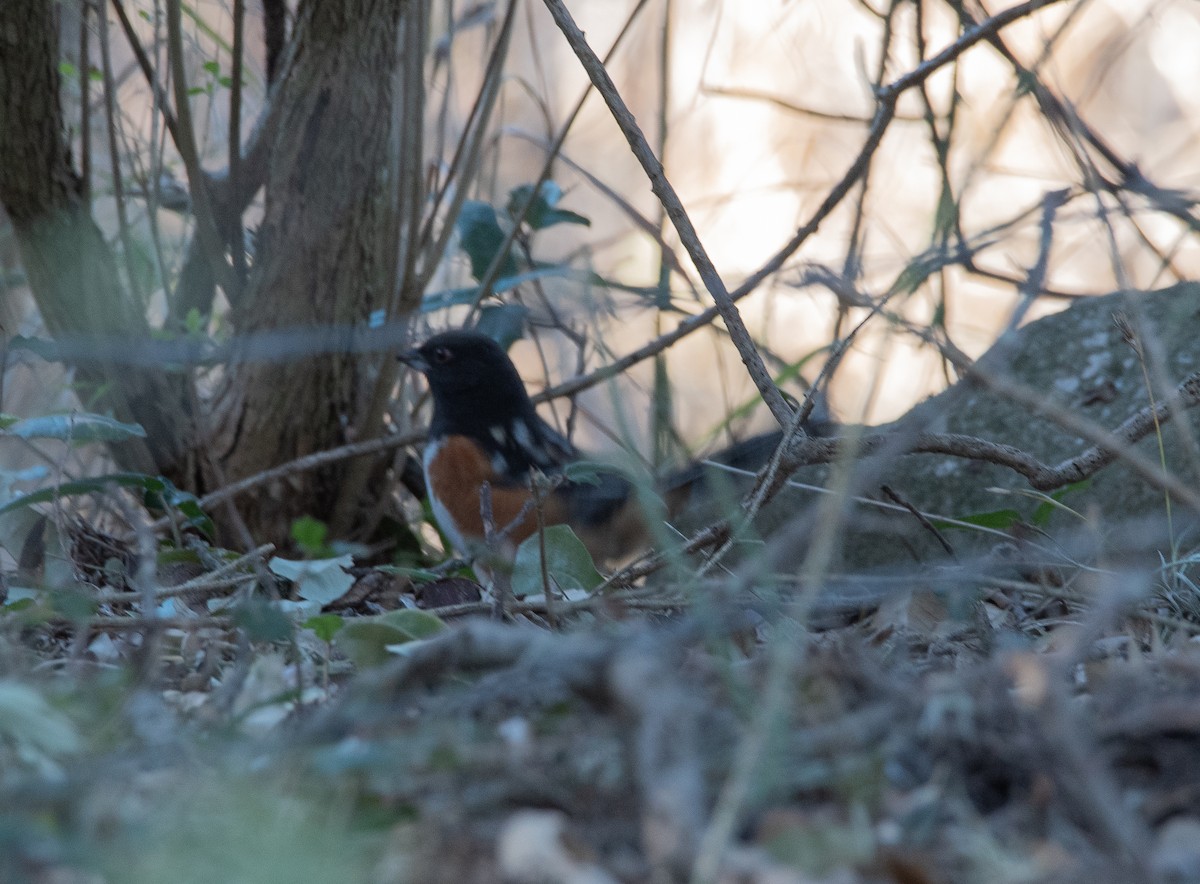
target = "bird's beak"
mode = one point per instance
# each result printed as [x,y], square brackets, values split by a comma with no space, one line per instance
[414,359]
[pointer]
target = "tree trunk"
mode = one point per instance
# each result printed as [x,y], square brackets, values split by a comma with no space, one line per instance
[325,258]
[71,270]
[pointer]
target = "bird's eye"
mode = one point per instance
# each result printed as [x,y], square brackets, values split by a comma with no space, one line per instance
[441,355]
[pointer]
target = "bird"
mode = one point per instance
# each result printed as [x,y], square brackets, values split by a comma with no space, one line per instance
[486,431]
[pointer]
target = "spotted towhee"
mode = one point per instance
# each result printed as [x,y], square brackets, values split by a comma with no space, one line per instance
[485,431]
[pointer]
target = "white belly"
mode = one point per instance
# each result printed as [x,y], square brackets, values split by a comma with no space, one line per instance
[444,519]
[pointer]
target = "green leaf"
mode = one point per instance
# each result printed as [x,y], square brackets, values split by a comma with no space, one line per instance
[568,563]
[262,621]
[1001,520]
[42,347]
[161,494]
[326,626]
[72,604]
[480,236]
[366,640]
[76,427]
[310,533]
[585,472]
[33,726]
[503,323]
[542,212]
[212,67]
[1042,514]
[93,485]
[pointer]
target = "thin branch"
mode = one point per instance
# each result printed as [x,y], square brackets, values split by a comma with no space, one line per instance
[207,229]
[666,194]
[143,61]
[233,222]
[85,111]
[215,581]
[111,118]
[466,155]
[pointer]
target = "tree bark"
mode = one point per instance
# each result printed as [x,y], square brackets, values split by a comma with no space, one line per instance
[71,270]
[326,256]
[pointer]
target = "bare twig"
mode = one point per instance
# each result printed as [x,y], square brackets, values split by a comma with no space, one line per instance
[666,194]
[891,494]
[143,60]
[237,248]
[217,580]
[85,111]
[466,157]
[112,125]
[207,229]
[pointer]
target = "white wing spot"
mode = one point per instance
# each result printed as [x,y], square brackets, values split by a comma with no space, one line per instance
[523,436]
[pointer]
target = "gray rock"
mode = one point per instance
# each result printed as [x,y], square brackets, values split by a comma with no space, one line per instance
[1080,362]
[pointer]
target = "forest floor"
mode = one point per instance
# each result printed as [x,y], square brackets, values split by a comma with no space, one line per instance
[1045,728]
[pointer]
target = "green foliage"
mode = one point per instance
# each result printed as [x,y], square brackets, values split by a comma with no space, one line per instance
[38,607]
[480,236]
[368,640]
[32,732]
[223,824]
[310,534]
[543,211]
[326,626]
[1000,520]
[262,621]
[1008,518]
[503,323]
[585,472]
[159,493]
[569,566]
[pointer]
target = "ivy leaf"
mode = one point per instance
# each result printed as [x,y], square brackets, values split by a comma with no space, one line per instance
[568,564]
[369,641]
[161,493]
[262,621]
[503,323]
[543,211]
[480,236]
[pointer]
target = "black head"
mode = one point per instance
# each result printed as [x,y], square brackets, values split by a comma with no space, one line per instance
[473,382]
